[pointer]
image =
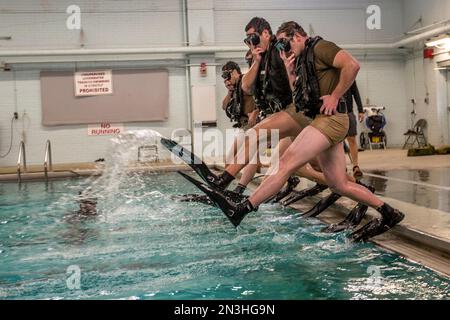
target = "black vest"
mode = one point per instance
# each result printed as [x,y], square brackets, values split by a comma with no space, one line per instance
[272,90]
[306,87]
[235,108]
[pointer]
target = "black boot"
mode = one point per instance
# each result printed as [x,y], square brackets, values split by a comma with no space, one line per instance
[298,195]
[352,220]
[233,205]
[292,182]
[240,189]
[390,217]
[322,205]
[238,212]
[221,181]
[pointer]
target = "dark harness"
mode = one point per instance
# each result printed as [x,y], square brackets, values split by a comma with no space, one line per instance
[265,100]
[306,88]
[235,108]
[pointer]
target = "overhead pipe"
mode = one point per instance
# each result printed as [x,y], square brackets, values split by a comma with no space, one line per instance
[209,49]
[399,44]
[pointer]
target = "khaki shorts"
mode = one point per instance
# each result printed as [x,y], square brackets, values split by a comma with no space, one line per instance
[302,120]
[334,127]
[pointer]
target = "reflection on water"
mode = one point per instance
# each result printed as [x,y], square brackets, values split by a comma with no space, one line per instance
[421,195]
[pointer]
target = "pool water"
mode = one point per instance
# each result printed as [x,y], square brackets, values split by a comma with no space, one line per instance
[145,245]
[431,191]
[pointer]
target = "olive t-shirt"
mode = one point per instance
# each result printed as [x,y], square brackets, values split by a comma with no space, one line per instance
[327,75]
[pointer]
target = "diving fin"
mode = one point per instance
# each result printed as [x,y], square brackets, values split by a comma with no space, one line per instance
[321,205]
[351,221]
[200,198]
[390,218]
[191,159]
[233,205]
[299,195]
[292,182]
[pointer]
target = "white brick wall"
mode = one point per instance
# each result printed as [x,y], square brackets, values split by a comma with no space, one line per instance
[111,24]
[69,143]
[421,75]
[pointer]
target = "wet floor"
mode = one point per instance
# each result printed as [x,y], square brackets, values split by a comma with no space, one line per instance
[427,188]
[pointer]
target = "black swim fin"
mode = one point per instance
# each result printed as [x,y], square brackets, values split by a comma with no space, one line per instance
[191,159]
[292,182]
[351,221]
[321,205]
[233,205]
[200,198]
[221,181]
[299,195]
[390,218]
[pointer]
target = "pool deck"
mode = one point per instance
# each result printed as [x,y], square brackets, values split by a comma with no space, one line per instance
[423,236]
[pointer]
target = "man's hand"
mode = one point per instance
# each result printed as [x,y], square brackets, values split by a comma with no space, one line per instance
[289,62]
[230,88]
[256,53]
[329,106]
[361,116]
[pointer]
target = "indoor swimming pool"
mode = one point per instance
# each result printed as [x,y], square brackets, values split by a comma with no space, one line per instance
[143,244]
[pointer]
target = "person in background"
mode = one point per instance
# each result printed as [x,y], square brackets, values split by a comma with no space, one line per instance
[240,108]
[353,93]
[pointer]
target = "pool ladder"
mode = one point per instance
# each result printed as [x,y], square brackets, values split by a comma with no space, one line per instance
[22,159]
[48,165]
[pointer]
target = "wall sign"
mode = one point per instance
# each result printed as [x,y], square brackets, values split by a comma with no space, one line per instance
[105,129]
[93,83]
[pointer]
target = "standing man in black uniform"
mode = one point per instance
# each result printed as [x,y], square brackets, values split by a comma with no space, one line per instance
[353,92]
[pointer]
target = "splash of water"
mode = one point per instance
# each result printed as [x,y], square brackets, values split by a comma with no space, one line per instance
[119,178]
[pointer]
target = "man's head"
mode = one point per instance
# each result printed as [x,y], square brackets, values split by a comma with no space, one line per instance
[258,33]
[231,73]
[295,35]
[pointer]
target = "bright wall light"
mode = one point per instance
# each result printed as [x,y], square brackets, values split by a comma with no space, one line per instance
[442,42]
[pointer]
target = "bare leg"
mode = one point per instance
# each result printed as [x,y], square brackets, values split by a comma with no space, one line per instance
[281,121]
[297,155]
[248,173]
[332,162]
[279,150]
[353,150]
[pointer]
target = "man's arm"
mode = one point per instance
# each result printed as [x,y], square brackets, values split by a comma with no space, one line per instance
[289,64]
[248,80]
[227,99]
[349,68]
[355,93]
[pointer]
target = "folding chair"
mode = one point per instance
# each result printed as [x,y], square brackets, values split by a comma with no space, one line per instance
[416,135]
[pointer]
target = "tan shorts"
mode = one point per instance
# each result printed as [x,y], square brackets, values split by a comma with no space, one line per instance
[302,120]
[334,127]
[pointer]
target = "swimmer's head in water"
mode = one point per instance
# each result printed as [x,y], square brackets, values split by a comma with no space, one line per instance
[88,206]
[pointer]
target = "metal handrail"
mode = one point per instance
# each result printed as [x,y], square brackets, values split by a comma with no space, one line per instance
[48,164]
[22,156]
